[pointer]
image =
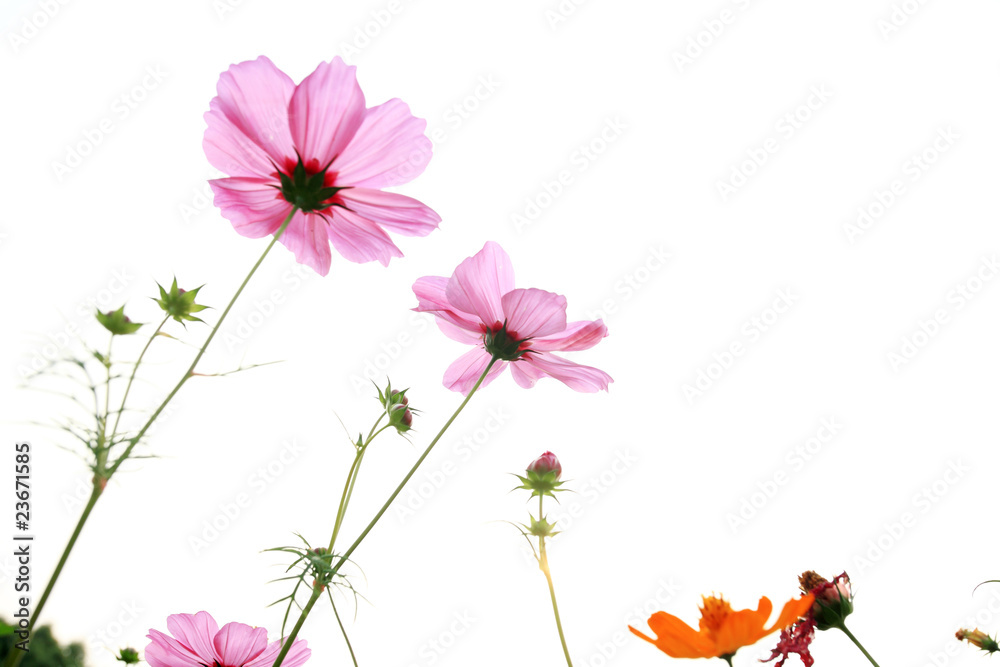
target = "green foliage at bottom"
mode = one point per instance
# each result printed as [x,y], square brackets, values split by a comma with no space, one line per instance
[43,650]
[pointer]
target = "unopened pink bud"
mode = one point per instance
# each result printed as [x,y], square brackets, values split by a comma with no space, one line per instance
[546,463]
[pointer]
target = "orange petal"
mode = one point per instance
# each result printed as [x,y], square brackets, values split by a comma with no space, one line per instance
[677,639]
[792,611]
[764,608]
[743,628]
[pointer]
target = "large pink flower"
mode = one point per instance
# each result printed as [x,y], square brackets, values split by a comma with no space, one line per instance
[523,327]
[315,146]
[198,642]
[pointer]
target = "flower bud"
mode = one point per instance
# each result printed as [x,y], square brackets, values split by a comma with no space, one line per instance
[542,528]
[117,323]
[979,639]
[128,655]
[833,599]
[546,463]
[542,476]
[397,406]
[179,303]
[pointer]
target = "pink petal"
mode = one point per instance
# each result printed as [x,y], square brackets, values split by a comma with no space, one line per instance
[296,656]
[430,291]
[196,632]
[480,282]
[325,112]
[460,334]
[248,120]
[359,239]
[229,150]
[238,643]
[534,312]
[165,651]
[575,376]
[524,375]
[255,209]
[307,237]
[465,371]
[581,335]
[388,149]
[397,213]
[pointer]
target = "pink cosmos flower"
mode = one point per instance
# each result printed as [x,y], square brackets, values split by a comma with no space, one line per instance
[198,642]
[521,327]
[316,146]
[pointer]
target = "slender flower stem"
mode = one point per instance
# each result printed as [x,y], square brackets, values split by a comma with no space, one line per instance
[104,473]
[347,554]
[555,609]
[131,378]
[543,564]
[352,479]
[102,446]
[343,632]
[399,489]
[345,496]
[107,391]
[317,591]
[190,371]
[16,655]
[854,639]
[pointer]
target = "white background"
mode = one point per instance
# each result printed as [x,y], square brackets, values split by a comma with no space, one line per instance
[516,90]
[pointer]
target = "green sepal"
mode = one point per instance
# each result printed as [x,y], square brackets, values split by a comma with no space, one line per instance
[989,644]
[501,345]
[305,192]
[128,655]
[831,613]
[541,527]
[546,484]
[117,323]
[397,407]
[180,304]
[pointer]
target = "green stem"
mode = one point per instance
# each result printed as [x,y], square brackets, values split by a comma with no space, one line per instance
[107,391]
[854,639]
[287,644]
[399,489]
[352,479]
[543,563]
[15,656]
[385,507]
[346,495]
[101,450]
[131,378]
[190,371]
[343,631]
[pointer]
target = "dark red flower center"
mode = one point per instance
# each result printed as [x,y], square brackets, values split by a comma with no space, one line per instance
[504,344]
[308,186]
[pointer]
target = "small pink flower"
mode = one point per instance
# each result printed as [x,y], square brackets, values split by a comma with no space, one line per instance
[478,305]
[197,641]
[545,464]
[315,145]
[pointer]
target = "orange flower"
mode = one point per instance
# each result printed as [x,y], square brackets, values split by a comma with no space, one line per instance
[721,630]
